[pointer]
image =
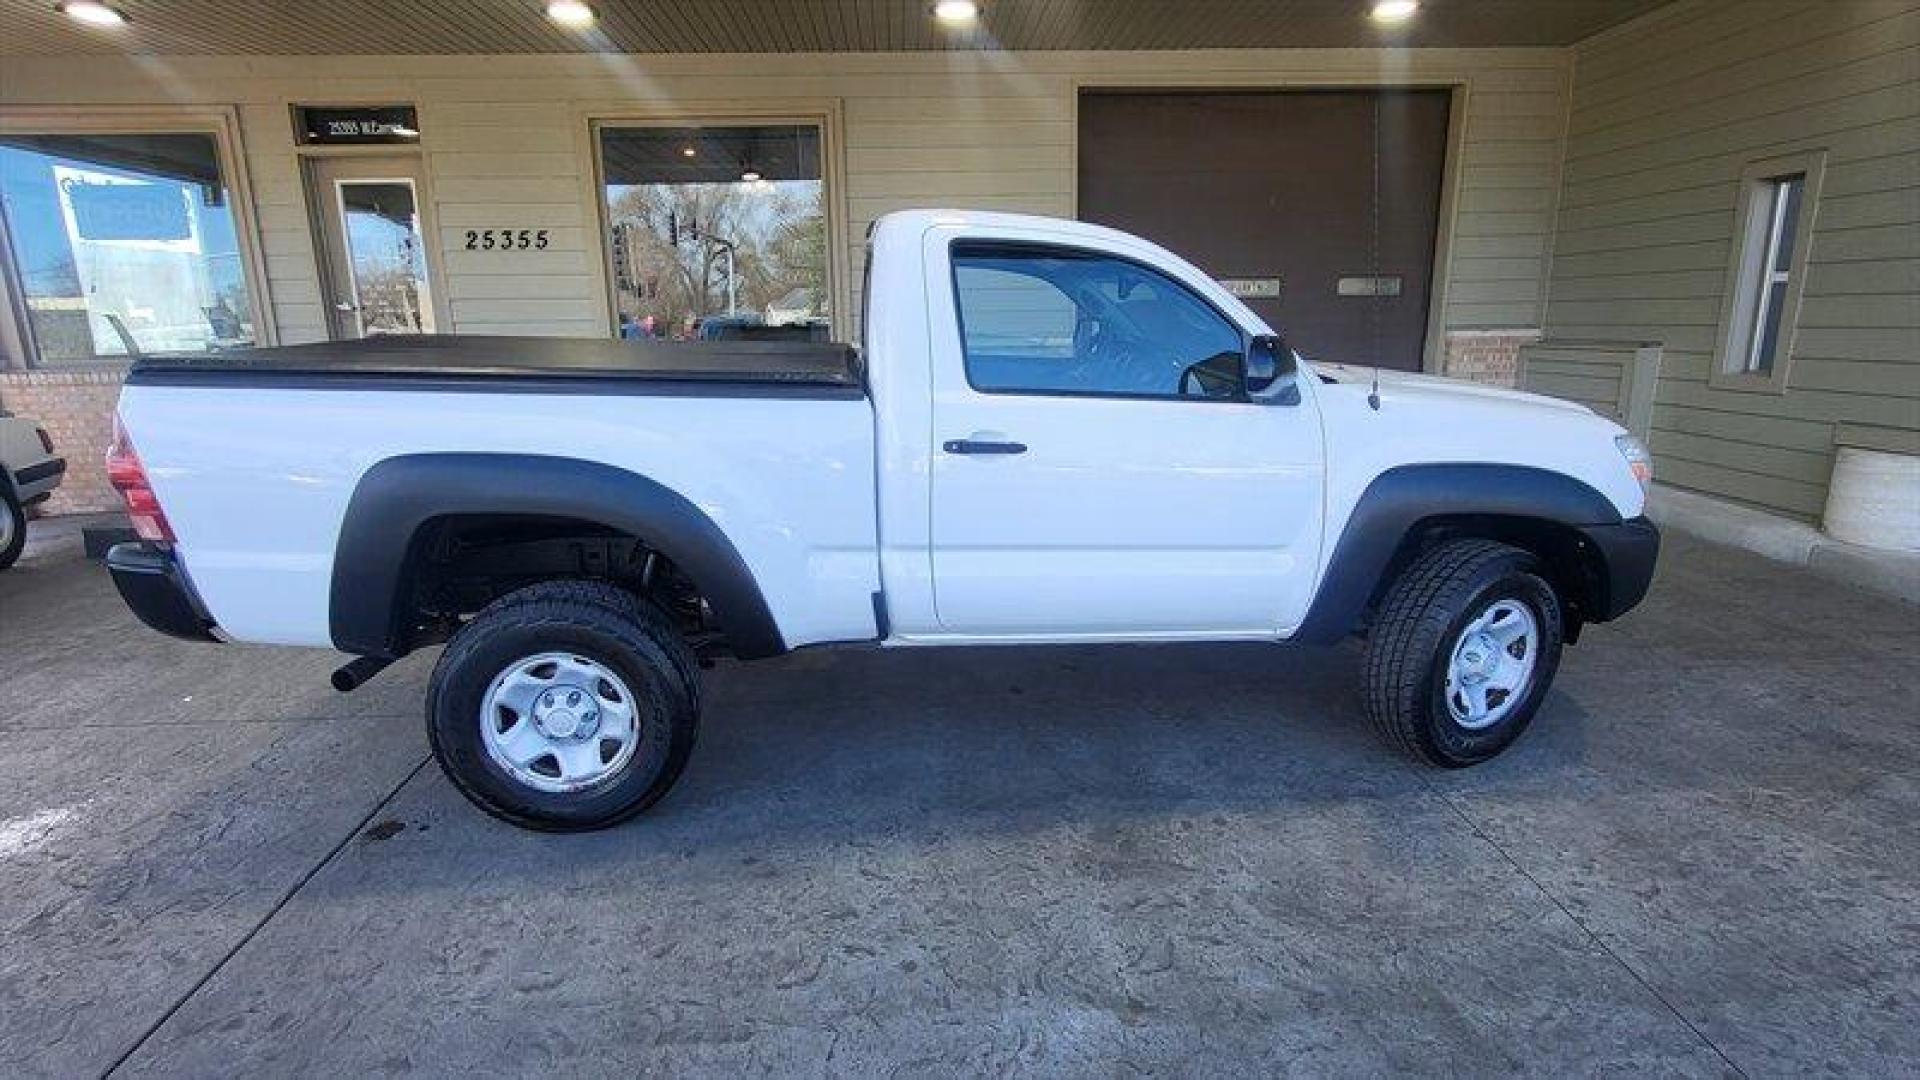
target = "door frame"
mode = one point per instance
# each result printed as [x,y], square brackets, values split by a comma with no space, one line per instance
[1440,274]
[312,157]
[923,620]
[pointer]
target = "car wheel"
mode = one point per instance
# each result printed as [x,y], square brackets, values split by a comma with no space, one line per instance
[1462,651]
[13,529]
[565,706]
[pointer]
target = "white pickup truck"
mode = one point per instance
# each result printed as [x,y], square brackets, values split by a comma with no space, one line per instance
[1054,432]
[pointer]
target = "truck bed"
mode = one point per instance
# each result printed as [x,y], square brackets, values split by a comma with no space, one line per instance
[525,365]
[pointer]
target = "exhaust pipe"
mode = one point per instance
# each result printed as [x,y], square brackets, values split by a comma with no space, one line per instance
[354,674]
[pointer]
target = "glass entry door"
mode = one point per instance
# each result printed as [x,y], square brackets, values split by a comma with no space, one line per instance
[376,254]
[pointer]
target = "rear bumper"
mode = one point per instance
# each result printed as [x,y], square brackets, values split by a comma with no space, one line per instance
[37,481]
[157,590]
[1627,553]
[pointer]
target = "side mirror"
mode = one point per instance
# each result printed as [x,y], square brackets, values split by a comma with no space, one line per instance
[1269,364]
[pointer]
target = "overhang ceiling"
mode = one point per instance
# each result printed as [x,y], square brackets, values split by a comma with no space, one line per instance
[425,27]
[656,155]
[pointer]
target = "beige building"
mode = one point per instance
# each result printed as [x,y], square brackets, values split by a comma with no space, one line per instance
[1703,215]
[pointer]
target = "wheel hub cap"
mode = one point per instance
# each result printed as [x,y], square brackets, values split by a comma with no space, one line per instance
[559,722]
[566,712]
[1491,668]
[1480,657]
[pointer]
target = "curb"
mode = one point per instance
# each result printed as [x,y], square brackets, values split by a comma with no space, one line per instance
[1894,574]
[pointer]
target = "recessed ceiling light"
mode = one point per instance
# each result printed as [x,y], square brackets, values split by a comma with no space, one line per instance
[957,12]
[92,13]
[571,14]
[687,151]
[1394,11]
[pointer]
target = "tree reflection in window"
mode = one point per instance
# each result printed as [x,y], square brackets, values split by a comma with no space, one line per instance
[717,232]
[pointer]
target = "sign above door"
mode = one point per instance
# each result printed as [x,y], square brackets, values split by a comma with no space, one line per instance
[355,125]
[1267,288]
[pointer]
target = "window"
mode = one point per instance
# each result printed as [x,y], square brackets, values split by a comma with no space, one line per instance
[385,255]
[1057,321]
[122,244]
[1770,234]
[1769,265]
[716,232]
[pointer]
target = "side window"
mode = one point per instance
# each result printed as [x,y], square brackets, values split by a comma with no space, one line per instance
[1760,308]
[1056,321]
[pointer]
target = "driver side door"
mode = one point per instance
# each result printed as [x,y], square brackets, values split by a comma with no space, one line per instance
[1091,477]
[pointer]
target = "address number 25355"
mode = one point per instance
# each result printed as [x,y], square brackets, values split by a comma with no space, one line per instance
[506,239]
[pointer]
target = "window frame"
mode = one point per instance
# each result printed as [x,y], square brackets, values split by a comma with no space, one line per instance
[1044,248]
[220,122]
[592,118]
[1752,241]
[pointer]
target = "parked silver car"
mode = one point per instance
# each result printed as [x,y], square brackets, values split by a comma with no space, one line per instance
[29,472]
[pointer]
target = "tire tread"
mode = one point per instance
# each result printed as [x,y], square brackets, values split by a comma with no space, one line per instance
[1411,623]
[639,624]
[10,506]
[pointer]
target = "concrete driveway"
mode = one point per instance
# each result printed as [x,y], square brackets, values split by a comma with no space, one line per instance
[1704,859]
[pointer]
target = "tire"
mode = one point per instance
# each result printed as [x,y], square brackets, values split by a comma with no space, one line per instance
[1457,590]
[554,641]
[13,529]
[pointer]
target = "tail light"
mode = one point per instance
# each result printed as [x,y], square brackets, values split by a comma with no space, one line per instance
[129,478]
[46,440]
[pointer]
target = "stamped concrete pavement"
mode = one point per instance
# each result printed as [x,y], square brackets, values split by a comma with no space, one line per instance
[1167,860]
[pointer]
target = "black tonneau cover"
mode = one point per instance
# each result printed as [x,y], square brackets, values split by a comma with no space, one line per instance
[524,364]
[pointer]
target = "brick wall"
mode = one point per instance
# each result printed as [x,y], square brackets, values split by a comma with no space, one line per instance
[1487,356]
[76,408]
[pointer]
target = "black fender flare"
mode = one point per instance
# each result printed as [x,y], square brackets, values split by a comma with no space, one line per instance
[400,495]
[1400,499]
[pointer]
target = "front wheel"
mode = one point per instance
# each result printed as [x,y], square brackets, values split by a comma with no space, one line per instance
[1462,651]
[564,707]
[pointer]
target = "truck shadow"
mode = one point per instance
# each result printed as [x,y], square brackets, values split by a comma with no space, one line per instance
[844,749]
[1039,725]
[873,764]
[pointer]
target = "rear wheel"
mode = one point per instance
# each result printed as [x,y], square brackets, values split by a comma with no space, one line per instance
[13,528]
[565,706]
[1462,652]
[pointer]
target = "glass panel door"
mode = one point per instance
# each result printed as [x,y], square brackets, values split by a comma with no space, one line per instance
[378,281]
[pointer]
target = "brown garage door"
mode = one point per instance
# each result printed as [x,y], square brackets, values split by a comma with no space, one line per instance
[1275,192]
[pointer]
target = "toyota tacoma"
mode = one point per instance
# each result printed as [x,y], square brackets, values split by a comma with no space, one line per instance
[1051,432]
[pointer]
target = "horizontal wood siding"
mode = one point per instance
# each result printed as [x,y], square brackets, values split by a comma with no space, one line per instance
[503,145]
[1618,380]
[1666,112]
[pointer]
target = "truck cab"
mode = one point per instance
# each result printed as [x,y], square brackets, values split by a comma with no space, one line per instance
[1069,447]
